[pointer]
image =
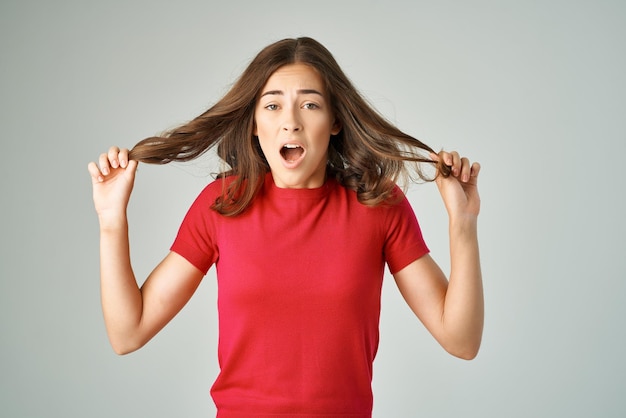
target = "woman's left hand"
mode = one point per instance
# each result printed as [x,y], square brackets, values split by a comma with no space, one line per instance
[460,190]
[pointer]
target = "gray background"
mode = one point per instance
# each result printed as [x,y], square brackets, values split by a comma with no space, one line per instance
[534,90]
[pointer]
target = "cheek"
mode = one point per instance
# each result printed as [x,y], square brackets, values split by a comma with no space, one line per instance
[265,147]
[262,126]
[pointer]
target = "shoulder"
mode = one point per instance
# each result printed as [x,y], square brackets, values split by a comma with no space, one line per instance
[394,210]
[202,205]
[215,188]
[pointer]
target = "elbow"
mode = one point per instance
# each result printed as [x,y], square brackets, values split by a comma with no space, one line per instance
[122,350]
[127,340]
[123,347]
[465,354]
[467,351]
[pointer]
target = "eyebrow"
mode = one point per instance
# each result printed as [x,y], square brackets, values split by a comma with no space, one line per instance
[301,91]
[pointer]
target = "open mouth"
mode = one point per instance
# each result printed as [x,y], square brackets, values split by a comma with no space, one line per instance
[291,152]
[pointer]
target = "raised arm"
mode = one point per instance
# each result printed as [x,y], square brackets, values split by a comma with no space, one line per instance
[453,311]
[132,315]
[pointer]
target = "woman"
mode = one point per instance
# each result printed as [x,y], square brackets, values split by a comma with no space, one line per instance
[299,227]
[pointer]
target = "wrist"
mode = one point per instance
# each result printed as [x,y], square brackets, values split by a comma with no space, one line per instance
[113,222]
[464,226]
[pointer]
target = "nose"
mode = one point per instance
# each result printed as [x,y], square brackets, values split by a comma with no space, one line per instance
[292,122]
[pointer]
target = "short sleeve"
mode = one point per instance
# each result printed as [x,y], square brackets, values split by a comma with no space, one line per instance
[404,241]
[196,238]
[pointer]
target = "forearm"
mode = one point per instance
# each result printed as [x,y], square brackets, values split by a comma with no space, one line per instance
[121,297]
[463,314]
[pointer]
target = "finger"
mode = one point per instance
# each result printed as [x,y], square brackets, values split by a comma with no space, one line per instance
[103,161]
[447,158]
[95,173]
[123,157]
[131,168]
[465,170]
[443,167]
[113,156]
[475,170]
[456,163]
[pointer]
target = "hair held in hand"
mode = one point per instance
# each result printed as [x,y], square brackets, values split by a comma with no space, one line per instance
[369,155]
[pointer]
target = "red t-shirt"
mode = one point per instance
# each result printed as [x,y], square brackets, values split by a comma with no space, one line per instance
[299,284]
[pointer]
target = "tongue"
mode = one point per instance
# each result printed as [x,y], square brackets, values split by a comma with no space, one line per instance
[291,154]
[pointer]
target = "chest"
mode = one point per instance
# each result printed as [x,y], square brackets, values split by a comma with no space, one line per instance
[310,253]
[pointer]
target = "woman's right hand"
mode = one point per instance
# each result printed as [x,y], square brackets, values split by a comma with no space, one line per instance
[112,179]
[132,315]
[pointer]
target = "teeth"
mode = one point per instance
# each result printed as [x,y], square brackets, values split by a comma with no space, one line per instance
[291,146]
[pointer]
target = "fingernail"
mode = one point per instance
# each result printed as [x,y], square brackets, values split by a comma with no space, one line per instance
[100,179]
[123,163]
[114,163]
[105,171]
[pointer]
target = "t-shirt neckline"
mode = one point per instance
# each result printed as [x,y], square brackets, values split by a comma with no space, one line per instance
[287,193]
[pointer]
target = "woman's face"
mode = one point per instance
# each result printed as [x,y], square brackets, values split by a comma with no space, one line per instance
[294,122]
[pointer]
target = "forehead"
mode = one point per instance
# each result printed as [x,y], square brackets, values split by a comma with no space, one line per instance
[295,76]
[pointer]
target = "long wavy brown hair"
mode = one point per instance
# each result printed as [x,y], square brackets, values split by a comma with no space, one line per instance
[369,155]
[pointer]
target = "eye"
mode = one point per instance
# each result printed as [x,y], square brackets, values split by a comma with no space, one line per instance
[311,106]
[271,107]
